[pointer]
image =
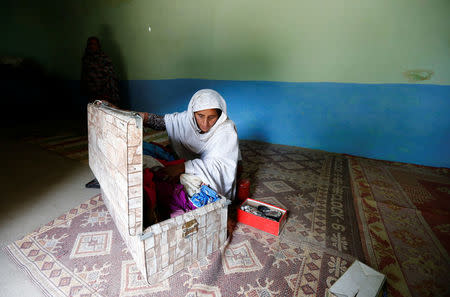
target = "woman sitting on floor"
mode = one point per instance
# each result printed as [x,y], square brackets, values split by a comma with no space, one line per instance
[205,137]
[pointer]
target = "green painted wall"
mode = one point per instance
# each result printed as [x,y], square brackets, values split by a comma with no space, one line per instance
[294,40]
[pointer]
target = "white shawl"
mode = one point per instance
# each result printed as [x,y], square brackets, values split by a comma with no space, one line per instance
[213,155]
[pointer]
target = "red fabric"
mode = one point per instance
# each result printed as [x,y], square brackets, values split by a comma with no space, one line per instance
[173,199]
[169,163]
[149,188]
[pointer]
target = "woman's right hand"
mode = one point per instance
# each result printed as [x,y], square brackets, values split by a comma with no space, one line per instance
[143,115]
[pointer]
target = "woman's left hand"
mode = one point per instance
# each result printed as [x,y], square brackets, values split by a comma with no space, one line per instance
[105,102]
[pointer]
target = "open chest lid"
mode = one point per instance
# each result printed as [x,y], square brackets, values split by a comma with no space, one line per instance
[115,158]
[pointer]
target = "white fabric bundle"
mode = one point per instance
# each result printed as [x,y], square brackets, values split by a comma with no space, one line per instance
[191,183]
[212,156]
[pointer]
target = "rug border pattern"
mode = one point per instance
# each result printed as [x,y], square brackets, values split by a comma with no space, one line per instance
[372,228]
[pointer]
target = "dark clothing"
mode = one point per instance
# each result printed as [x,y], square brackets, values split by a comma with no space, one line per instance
[98,78]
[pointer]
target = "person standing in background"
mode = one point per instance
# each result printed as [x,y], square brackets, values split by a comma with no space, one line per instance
[99,81]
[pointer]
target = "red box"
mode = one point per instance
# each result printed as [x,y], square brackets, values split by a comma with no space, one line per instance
[264,224]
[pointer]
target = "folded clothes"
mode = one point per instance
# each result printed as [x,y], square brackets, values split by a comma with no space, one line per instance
[149,191]
[157,151]
[172,199]
[163,198]
[149,188]
[205,196]
[169,199]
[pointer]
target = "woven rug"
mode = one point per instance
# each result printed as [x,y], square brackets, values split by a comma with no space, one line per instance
[404,216]
[80,253]
[75,146]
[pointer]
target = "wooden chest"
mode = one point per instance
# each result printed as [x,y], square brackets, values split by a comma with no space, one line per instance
[162,249]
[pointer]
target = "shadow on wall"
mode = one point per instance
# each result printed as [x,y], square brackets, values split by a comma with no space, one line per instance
[111,47]
[30,93]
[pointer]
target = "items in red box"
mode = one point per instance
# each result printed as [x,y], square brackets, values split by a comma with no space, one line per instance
[252,211]
[263,211]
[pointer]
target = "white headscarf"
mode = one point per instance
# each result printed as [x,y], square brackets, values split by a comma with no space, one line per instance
[213,155]
[207,99]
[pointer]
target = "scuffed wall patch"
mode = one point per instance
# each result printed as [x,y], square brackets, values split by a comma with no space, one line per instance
[418,75]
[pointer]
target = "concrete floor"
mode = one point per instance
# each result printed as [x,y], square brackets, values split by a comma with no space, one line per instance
[37,186]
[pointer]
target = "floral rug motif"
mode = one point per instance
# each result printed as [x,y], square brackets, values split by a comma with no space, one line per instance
[81,253]
[394,217]
[404,216]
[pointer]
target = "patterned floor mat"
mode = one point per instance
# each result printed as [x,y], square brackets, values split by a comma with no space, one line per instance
[81,253]
[404,217]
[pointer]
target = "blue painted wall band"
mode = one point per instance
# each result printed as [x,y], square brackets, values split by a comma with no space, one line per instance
[396,122]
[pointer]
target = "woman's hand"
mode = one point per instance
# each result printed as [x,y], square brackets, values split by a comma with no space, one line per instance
[143,115]
[171,173]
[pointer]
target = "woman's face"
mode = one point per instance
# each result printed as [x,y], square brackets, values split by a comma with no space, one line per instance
[206,119]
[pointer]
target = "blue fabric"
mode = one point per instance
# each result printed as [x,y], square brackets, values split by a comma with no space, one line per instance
[205,196]
[156,151]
